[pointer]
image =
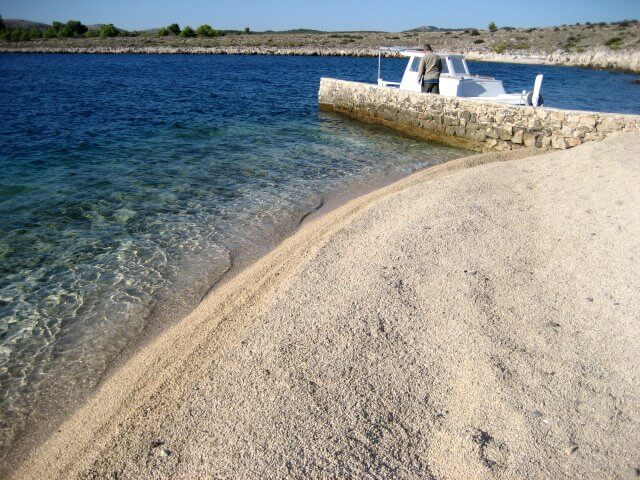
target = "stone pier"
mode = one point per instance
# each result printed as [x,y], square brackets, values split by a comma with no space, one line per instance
[470,123]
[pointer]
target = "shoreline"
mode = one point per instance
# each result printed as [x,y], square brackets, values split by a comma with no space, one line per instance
[32,440]
[159,320]
[624,61]
[228,367]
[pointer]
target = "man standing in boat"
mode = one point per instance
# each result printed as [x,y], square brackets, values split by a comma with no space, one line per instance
[429,71]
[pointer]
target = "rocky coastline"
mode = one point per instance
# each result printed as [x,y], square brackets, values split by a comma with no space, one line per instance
[596,59]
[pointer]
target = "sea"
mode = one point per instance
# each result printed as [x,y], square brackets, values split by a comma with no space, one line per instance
[131,184]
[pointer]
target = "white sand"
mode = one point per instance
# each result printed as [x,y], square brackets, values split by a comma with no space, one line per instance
[475,322]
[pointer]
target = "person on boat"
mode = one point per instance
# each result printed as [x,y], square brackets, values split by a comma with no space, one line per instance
[429,71]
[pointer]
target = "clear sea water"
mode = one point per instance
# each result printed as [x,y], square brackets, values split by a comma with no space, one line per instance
[129,184]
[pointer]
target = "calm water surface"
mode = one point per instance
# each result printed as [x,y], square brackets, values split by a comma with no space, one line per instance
[130,184]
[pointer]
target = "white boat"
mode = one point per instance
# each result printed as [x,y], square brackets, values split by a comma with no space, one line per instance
[457,81]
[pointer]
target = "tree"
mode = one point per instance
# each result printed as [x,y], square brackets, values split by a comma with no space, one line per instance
[174,29]
[206,31]
[2,27]
[493,27]
[109,30]
[187,32]
[73,28]
[247,30]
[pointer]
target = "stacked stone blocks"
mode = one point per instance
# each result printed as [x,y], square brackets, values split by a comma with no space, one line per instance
[471,123]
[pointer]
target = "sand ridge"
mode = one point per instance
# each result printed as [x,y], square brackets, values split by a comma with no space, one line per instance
[475,320]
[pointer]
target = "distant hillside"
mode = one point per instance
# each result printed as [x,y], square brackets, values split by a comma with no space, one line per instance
[431,28]
[24,24]
[309,31]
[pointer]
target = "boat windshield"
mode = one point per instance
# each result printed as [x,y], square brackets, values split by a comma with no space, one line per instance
[458,66]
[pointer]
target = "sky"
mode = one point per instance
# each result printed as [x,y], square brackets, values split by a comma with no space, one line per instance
[322,14]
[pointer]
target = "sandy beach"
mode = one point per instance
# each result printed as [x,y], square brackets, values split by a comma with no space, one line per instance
[478,319]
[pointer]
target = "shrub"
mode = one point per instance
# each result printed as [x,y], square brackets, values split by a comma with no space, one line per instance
[572,42]
[108,30]
[247,30]
[2,27]
[188,32]
[500,47]
[478,41]
[164,32]
[492,27]
[73,28]
[474,32]
[614,43]
[174,29]
[206,31]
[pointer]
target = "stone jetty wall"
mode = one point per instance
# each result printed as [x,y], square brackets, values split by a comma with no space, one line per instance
[470,123]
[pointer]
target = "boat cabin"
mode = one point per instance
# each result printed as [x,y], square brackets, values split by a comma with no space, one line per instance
[456,79]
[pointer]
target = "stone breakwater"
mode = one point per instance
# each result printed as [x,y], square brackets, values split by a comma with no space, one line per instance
[598,59]
[470,123]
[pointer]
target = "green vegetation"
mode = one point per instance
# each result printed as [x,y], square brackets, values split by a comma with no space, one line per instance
[188,32]
[173,29]
[108,30]
[346,37]
[572,42]
[478,41]
[473,32]
[500,47]
[247,30]
[2,27]
[206,31]
[71,29]
[614,43]
[493,27]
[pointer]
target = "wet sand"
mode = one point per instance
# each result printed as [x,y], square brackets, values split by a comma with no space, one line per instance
[478,319]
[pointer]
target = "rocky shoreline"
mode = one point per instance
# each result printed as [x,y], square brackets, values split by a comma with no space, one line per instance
[596,59]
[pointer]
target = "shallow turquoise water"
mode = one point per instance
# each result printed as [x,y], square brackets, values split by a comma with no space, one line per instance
[131,183]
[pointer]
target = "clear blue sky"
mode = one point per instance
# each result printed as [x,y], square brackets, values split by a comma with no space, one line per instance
[322,14]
